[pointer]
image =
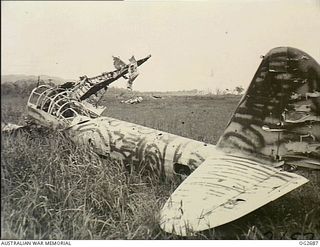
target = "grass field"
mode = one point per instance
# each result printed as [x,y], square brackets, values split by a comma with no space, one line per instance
[52,189]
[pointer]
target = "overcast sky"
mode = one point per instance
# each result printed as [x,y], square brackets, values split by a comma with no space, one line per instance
[194,44]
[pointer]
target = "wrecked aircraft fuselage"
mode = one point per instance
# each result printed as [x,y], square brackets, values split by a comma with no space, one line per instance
[132,144]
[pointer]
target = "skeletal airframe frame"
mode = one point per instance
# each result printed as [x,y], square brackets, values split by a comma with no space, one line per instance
[59,110]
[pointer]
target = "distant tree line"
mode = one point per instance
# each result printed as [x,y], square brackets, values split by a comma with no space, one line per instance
[21,87]
[238,90]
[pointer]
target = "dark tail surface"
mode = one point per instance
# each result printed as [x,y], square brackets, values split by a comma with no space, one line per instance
[279,116]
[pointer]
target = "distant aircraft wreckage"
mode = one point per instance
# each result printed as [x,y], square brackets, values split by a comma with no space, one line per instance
[276,125]
[133,100]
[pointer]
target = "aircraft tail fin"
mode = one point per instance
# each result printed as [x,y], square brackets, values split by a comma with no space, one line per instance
[278,118]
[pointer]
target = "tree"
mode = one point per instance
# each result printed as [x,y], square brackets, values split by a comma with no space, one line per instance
[226,91]
[239,89]
[218,91]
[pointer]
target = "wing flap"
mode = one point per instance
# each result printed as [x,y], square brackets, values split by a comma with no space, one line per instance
[221,190]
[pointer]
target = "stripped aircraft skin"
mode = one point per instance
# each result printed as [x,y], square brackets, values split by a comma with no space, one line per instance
[277,123]
[279,116]
[144,148]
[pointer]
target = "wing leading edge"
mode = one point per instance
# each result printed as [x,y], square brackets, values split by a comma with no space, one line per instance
[221,190]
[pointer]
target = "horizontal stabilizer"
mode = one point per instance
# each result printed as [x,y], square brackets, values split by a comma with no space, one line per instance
[221,190]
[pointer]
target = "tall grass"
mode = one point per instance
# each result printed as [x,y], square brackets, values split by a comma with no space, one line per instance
[52,189]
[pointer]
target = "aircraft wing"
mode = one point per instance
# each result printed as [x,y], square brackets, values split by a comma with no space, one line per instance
[94,89]
[221,190]
[117,74]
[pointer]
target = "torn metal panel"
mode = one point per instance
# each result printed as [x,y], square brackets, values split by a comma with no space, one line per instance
[132,72]
[314,94]
[9,127]
[134,100]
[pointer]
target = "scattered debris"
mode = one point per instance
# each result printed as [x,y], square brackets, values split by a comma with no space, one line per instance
[156,96]
[9,127]
[134,100]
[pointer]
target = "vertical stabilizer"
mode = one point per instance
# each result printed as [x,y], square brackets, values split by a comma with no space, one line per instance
[279,116]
